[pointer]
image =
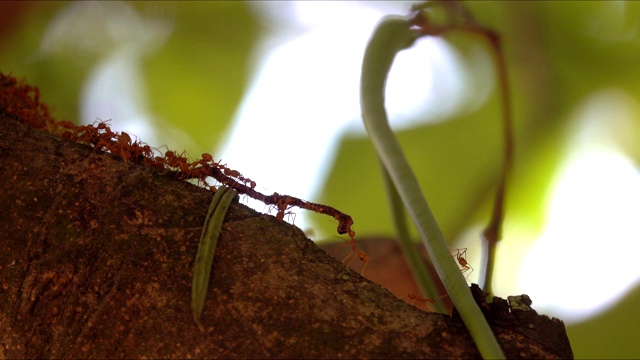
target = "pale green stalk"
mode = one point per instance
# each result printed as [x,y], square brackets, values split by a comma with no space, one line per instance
[207,248]
[421,274]
[392,35]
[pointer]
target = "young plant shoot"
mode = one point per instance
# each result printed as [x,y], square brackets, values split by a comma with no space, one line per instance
[207,248]
[392,35]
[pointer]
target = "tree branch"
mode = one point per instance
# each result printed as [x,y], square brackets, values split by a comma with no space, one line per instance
[97,257]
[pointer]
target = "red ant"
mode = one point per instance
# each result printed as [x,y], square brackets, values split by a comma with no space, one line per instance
[417,297]
[68,131]
[360,254]
[201,174]
[102,125]
[355,252]
[460,255]
[282,206]
[207,157]
[174,160]
[157,161]
[354,249]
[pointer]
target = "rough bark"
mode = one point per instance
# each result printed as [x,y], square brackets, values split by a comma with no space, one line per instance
[96,259]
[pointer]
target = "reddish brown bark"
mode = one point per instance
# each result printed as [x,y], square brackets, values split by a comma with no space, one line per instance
[96,260]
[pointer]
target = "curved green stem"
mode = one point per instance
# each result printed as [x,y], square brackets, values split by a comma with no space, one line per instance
[424,277]
[492,232]
[392,35]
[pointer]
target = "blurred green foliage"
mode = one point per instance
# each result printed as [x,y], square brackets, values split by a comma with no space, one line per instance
[203,69]
[558,53]
[194,81]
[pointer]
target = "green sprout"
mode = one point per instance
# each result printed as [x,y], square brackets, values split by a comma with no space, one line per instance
[392,35]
